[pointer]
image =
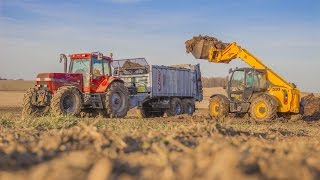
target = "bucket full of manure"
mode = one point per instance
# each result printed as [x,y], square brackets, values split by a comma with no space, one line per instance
[199,46]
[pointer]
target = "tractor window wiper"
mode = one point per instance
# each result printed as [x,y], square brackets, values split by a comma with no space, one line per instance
[83,63]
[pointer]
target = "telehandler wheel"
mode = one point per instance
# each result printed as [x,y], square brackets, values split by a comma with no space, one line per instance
[188,106]
[176,107]
[117,100]
[66,101]
[263,108]
[218,107]
[28,109]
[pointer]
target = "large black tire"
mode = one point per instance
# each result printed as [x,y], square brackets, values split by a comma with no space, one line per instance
[176,107]
[148,112]
[188,106]
[117,100]
[158,114]
[28,109]
[263,108]
[66,101]
[219,106]
[145,113]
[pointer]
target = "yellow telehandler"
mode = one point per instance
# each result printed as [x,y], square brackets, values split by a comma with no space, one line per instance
[258,91]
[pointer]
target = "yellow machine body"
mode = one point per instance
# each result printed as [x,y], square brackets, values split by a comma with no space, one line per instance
[287,95]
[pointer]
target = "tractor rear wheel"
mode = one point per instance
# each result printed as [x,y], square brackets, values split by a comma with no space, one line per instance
[66,101]
[218,107]
[117,100]
[176,107]
[29,109]
[263,108]
[188,106]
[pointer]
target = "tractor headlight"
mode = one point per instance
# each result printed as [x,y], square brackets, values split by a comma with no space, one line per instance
[42,85]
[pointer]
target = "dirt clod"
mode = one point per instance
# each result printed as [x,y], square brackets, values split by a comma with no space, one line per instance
[131,65]
[311,107]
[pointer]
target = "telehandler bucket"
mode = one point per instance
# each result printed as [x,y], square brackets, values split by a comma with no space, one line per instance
[201,49]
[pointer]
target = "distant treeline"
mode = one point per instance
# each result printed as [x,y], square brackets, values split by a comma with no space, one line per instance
[11,79]
[208,82]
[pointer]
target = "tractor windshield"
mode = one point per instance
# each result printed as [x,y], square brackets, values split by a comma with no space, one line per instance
[80,66]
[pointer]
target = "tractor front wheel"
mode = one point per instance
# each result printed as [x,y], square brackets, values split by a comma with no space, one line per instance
[66,101]
[117,100]
[29,109]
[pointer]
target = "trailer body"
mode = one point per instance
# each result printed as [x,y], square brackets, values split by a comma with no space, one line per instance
[157,88]
[169,81]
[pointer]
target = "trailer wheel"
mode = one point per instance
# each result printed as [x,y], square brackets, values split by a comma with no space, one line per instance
[188,106]
[147,112]
[29,109]
[176,107]
[117,100]
[66,101]
[158,114]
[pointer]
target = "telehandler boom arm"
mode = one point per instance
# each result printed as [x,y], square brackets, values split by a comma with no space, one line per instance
[233,51]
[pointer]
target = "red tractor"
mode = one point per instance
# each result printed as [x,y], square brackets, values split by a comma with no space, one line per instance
[87,85]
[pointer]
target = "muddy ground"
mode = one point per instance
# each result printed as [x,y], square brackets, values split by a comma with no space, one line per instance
[183,147]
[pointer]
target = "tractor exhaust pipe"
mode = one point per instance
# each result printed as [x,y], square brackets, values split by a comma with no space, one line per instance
[63,58]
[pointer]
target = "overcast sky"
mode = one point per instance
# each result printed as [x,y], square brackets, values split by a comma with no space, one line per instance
[284,34]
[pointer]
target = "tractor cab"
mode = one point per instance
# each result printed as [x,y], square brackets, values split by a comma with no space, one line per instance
[244,82]
[94,68]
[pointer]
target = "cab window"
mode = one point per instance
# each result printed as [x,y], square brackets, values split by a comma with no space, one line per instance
[252,80]
[263,80]
[97,68]
[237,81]
[106,68]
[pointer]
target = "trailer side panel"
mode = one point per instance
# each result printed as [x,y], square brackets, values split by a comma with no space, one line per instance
[170,81]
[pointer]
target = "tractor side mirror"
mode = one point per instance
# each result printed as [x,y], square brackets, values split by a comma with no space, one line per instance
[63,58]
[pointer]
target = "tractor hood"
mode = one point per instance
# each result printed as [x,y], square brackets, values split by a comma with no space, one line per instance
[56,80]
